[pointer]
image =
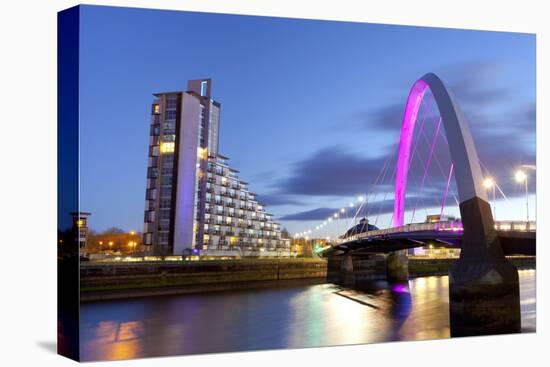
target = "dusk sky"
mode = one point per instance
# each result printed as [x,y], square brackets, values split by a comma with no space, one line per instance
[310,109]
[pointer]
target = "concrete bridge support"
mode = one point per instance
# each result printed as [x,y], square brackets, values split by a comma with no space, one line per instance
[483,284]
[356,270]
[397,266]
[347,276]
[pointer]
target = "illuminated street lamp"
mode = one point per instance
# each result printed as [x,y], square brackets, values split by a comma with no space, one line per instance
[522,177]
[132,233]
[360,198]
[489,183]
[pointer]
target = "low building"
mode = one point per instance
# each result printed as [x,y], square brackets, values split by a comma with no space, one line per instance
[80,230]
[432,250]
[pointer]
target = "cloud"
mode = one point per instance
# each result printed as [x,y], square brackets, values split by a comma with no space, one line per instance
[502,123]
[276,199]
[386,118]
[372,210]
[503,126]
[331,171]
[314,214]
[490,105]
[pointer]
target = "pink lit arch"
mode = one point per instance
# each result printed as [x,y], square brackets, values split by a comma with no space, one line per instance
[461,145]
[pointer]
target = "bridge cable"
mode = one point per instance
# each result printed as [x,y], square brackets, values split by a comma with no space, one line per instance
[428,164]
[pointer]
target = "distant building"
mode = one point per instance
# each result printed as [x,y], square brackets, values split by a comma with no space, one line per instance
[362,226]
[195,202]
[434,218]
[80,229]
[432,250]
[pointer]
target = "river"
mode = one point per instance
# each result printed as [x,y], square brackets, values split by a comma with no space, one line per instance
[287,317]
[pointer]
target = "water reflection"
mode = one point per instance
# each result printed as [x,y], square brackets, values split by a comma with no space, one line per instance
[293,317]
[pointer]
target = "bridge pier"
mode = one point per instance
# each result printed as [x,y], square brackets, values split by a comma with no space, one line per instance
[347,276]
[356,270]
[483,284]
[397,266]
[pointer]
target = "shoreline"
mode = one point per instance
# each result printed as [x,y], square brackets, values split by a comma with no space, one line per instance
[125,281]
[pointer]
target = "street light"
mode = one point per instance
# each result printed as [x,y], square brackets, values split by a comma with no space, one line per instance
[522,177]
[489,183]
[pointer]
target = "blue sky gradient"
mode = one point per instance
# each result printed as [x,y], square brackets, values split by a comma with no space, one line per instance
[294,94]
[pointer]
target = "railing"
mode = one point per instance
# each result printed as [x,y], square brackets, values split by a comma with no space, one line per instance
[446,226]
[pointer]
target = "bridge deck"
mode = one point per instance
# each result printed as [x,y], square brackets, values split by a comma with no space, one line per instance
[515,237]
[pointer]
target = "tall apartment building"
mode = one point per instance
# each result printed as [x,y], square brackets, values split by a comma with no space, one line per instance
[195,202]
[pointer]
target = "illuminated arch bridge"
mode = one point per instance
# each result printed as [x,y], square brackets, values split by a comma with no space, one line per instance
[483,236]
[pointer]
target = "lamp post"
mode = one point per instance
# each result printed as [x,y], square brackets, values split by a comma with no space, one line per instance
[489,183]
[522,177]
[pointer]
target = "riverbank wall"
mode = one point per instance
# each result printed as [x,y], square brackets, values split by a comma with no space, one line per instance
[122,280]
[100,281]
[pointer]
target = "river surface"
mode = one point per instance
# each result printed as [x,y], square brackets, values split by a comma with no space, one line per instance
[289,317]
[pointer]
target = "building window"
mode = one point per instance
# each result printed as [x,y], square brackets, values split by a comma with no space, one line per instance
[163,238]
[170,115]
[169,137]
[204,85]
[164,214]
[171,102]
[165,203]
[165,192]
[156,109]
[167,147]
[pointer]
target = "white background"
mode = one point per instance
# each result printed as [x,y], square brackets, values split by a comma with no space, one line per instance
[28,181]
